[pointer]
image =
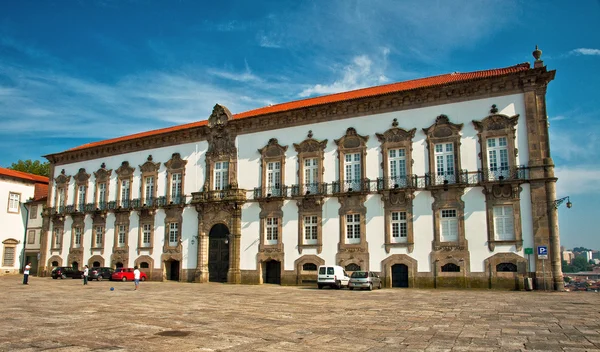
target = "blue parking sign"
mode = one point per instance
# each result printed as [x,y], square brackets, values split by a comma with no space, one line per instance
[542,252]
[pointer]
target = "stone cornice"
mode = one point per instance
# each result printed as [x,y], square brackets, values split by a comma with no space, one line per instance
[513,83]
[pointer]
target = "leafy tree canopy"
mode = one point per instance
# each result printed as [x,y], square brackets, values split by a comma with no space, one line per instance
[581,263]
[35,167]
[580,249]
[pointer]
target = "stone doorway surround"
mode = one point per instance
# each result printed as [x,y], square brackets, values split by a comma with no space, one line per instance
[393,259]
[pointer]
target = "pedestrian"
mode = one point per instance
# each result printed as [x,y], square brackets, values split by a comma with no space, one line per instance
[86,271]
[26,274]
[136,277]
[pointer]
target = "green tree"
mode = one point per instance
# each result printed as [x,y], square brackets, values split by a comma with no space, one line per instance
[581,263]
[35,167]
[580,249]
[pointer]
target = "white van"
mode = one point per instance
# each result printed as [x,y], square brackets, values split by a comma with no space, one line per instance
[333,276]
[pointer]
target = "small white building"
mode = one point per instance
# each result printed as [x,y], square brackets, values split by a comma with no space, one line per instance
[441,181]
[17,188]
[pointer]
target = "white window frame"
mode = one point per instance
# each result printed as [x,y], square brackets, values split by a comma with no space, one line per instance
[173,234]
[98,236]
[31,237]
[504,226]
[176,185]
[77,237]
[449,225]
[397,166]
[122,236]
[101,194]
[61,197]
[33,212]
[311,228]
[445,167]
[498,164]
[272,230]
[14,199]
[353,228]
[274,178]
[149,194]
[352,168]
[221,175]
[399,227]
[8,256]
[146,235]
[56,237]
[125,191]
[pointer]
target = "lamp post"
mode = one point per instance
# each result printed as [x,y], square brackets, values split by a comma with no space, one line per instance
[555,242]
[558,202]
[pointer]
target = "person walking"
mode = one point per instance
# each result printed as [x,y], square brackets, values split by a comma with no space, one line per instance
[26,274]
[136,277]
[86,272]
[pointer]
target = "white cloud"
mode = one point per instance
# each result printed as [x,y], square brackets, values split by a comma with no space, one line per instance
[557,118]
[267,41]
[585,51]
[577,179]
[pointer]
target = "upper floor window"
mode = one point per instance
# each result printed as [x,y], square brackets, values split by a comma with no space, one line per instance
[77,239]
[175,176]
[352,228]
[149,178]
[444,161]
[352,168]
[31,237]
[274,178]
[504,229]
[81,190]
[122,236]
[272,229]
[221,175]
[176,185]
[443,144]
[146,235]
[33,212]
[399,226]
[311,227]
[397,165]
[98,236]
[173,234]
[498,164]
[124,183]
[61,197]
[125,191]
[14,199]
[149,194]
[56,237]
[101,194]
[311,170]
[310,160]
[449,225]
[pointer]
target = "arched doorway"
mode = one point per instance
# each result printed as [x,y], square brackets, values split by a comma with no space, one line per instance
[96,264]
[119,265]
[399,275]
[272,272]
[75,265]
[218,253]
[172,270]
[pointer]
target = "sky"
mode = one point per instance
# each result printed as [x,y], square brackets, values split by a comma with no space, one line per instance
[73,72]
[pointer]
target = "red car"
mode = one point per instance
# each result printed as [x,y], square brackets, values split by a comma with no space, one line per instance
[126,274]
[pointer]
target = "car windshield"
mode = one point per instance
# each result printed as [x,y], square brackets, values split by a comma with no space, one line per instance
[119,270]
[360,274]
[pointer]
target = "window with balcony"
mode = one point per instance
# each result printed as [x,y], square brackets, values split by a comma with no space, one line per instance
[102,196]
[125,193]
[274,178]
[60,196]
[81,197]
[310,164]
[124,183]
[498,164]
[175,174]
[176,186]
[353,227]
[61,199]
[444,163]
[352,170]
[102,181]
[352,151]
[81,186]
[273,170]
[149,190]
[221,175]
[14,199]
[56,238]
[443,141]
[149,178]
[396,151]
[397,167]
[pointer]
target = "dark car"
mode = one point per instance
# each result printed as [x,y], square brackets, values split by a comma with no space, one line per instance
[100,273]
[63,272]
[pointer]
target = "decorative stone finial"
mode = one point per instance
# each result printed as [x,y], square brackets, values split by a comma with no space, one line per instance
[103,166]
[494,109]
[62,171]
[310,135]
[150,157]
[537,53]
[395,123]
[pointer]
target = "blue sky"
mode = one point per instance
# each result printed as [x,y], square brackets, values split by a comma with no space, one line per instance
[72,72]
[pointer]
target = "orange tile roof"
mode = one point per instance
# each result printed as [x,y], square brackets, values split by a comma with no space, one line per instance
[23,175]
[40,192]
[334,98]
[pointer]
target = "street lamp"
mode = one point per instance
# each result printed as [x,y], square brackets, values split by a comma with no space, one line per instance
[558,202]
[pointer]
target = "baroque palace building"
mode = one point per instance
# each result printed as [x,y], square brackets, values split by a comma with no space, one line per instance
[435,182]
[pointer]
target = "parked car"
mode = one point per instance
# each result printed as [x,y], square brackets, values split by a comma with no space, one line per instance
[100,273]
[63,272]
[126,274]
[333,276]
[364,279]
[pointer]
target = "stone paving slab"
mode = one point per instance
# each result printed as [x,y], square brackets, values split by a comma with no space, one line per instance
[65,316]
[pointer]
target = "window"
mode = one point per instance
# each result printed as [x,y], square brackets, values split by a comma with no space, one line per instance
[125,192]
[173,233]
[81,196]
[274,178]
[146,235]
[397,165]
[311,171]
[444,162]
[310,229]
[56,239]
[13,202]
[122,236]
[33,212]
[77,239]
[449,225]
[353,228]
[99,233]
[61,197]
[309,267]
[450,268]
[149,189]
[101,195]
[31,237]
[144,265]
[272,230]
[352,267]
[175,186]
[9,256]
[399,229]
[506,267]
[497,149]
[221,175]
[352,168]
[504,229]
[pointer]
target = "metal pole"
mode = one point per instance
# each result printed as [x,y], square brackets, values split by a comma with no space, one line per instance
[544,272]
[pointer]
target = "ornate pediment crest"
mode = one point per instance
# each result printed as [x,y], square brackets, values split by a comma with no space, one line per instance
[102,175]
[149,166]
[495,121]
[62,179]
[273,149]
[125,170]
[443,128]
[81,176]
[310,204]
[351,139]
[396,134]
[220,143]
[176,163]
[219,117]
[506,191]
[310,145]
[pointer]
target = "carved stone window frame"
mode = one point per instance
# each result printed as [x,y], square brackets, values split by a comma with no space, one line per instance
[146,217]
[124,172]
[102,176]
[10,243]
[57,225]
[148,169]
[98,219]
[81,179]
[310,148]
[175,165]
[351,143]
[398,201]
[271,209]
[173,215]
[78,222]
[448,199]
[396,138]
[503,195]
[494,126]
[310,206]
[121,218]
[62,182]
[221,147]
[355,252]
[271,153]
[443,131]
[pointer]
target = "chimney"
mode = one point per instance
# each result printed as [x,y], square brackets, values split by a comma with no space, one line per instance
[537,53]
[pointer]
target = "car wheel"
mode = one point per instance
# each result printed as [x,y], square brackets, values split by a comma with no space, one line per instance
[124,279]
[143,278]
[54,277]
[370,287]
[320,286]
[63,276]
[338,285]
[379,287]
[99,278]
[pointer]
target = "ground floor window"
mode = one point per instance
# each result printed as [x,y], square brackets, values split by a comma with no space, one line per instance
[399,229]
[310,229]
[449,226]
[506,267]
[9,256]
[272,230]
[450,268]
[353,228]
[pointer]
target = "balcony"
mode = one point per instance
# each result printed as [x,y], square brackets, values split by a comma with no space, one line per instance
[462,177]
[271,192]
[504,173]
[396,182]
[353,186]
[228,194]
[308,189]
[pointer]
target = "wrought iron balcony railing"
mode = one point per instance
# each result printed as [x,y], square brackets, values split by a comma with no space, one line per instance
[271,192]
[396,182]
[504,173]
[451,177]
[309,189]
[349,186]
[177,200]
[234,194]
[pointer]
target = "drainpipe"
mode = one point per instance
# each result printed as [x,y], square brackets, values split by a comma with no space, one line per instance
[24,237]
